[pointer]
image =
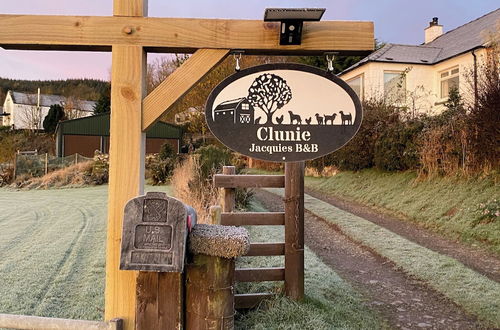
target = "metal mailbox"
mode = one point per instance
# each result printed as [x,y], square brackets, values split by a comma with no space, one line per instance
[155,228]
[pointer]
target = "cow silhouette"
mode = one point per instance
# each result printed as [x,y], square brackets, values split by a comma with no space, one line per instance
[330,118]
[295,118]
[346,119]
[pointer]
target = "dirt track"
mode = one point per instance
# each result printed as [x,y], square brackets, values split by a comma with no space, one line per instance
[407,303]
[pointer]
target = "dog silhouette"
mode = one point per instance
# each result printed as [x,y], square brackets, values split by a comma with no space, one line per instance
[295,118]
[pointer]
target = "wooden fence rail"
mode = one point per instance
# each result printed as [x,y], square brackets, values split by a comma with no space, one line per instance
[48,323]
[293,220]
[253,219]
[249,181]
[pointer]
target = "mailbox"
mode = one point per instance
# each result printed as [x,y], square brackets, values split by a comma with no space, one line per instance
[155,229]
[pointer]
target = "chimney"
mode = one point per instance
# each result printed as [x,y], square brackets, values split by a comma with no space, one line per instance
[38,99]
[433,31]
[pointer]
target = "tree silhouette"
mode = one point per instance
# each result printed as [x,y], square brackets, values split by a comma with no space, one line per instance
[269,93]
[55,115]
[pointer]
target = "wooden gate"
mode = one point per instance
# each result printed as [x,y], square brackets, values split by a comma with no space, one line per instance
[293,220]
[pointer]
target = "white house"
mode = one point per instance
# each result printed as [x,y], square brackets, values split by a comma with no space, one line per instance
[421,76]
[27,111]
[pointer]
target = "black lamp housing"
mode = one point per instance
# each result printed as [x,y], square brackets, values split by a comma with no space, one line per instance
[292,20]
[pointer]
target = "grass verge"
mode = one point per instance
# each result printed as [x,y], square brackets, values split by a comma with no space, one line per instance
[448,206]
[474,292]
[330,303]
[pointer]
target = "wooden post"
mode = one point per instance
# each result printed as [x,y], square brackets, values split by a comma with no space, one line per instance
[294,230]
[15,165]
[215,214]
[46,163]
[209,293]
[76,158]
[229,194]
[126,163]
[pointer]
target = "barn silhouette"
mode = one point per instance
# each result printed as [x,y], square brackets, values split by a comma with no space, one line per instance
[237,111]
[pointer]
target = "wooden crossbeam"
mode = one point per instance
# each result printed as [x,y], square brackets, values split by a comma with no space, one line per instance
[266,249]
[250,300]
[179,83]
[259,274]
[186,35]
[253,218]
[249,181]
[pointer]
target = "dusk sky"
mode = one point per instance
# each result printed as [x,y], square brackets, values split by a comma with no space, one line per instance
[396,21]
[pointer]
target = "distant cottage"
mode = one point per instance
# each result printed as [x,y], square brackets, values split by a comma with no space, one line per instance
[27,111]
[238,111]
[441,63]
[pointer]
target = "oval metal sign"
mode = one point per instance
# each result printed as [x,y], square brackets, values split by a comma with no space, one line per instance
[283,112]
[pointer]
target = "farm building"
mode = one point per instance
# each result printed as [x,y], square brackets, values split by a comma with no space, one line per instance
[86,135]
[27,111]
[238,111]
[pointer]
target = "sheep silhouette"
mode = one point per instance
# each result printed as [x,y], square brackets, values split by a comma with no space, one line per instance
[330,118]
[295,118]
[346,119]
[319,119]
[279,119]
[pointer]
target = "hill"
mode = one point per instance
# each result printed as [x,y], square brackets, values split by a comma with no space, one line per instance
[86,89]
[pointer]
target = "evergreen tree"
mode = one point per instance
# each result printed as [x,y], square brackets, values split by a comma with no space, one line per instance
[55,115]
[103,104]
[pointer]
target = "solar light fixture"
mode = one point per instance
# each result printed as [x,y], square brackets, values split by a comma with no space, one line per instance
[292,20]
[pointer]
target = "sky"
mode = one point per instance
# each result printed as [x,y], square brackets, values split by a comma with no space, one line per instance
[396,21]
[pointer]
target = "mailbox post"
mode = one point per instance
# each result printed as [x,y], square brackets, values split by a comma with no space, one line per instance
[154,239]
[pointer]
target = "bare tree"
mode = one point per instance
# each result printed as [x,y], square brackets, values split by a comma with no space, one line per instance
[269,93]
[73,108]
[31,115]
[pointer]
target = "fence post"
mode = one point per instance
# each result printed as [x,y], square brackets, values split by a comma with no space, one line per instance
[294,230]
[228,196]
[15,165]
[46,163]
[76,158]
[215,215]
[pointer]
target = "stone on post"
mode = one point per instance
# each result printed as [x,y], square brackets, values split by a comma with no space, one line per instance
[210,275]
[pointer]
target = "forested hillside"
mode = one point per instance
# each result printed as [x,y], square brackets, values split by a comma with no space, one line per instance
[86,89]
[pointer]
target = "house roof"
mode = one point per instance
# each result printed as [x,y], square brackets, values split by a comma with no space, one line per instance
[98,125]
[460,40]
[48,100]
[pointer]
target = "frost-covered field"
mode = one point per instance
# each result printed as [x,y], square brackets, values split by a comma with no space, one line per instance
[52,263]
[52,252]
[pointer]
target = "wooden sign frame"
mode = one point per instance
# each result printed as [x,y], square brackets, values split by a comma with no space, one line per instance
[129,34]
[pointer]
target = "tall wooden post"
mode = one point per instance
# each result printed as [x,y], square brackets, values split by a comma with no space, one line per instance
[294,230]
[126,157]
[229,194]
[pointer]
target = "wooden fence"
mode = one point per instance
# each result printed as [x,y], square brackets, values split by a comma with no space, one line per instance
[293,220]
[47,323]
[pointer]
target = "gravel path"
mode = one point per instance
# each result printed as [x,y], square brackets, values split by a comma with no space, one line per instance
[405,301]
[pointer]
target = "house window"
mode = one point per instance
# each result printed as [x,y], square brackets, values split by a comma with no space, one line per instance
[245,106]
[449,79]
[395,86]
[356,84]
